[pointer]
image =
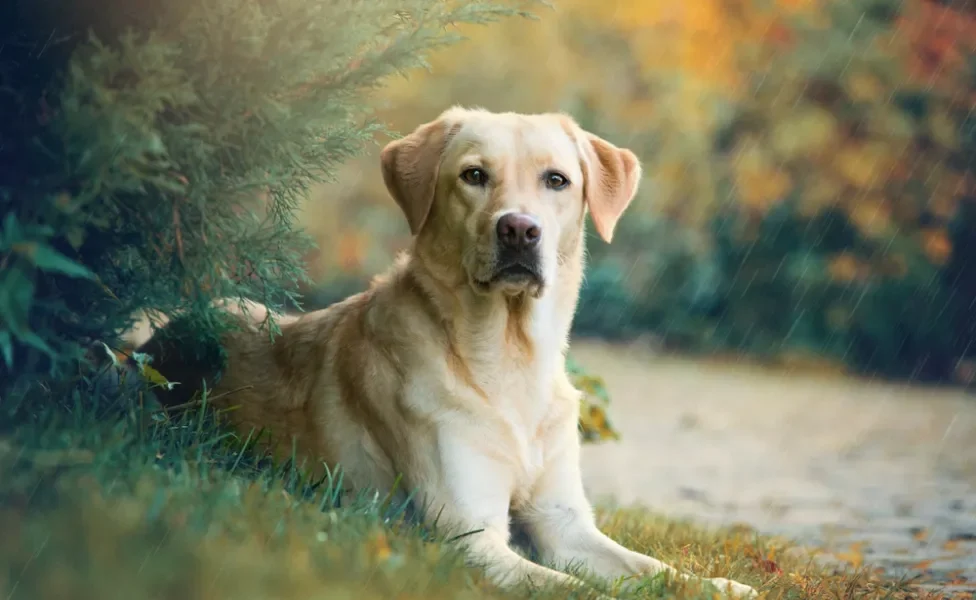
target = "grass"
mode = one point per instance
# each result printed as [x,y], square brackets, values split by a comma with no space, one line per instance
[104,501]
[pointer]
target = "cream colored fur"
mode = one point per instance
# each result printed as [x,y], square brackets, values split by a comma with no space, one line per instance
[440,374]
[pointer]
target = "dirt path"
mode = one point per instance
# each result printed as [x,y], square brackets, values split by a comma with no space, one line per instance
[879,471]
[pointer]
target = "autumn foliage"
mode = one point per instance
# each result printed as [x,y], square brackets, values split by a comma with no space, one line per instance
[809,170]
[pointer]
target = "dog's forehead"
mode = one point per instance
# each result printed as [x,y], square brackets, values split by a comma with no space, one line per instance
[534,137]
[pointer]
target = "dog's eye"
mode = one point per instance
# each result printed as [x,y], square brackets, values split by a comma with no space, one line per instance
[474,176]
[555,181]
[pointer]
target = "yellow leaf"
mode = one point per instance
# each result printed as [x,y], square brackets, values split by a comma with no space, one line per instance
[760,183]
[820,194]
[865,166]
[151,374]
[866,87]
[156,378]
[805,133]
[379,547]
[872,216]
[854,555]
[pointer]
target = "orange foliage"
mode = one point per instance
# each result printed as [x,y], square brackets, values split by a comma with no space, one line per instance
[759,180]
[937,246]
[665,77]
[941,40]
[701,40]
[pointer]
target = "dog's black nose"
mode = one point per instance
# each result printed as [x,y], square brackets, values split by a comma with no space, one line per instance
[518,231]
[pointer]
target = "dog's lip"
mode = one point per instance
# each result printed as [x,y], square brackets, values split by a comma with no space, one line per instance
[516,271]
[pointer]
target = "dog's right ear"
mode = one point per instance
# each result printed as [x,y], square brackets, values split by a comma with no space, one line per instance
[410,170]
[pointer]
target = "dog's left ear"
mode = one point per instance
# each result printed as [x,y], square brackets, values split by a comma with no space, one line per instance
[410,169]
[612,177]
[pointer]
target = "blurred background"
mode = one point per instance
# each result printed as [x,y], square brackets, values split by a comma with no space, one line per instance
[796,266]
[809,176]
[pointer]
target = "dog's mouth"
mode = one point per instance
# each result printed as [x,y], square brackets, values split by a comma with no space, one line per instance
[517,272]
[514,275]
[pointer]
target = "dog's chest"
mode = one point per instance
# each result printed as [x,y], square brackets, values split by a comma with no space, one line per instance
[522,393]
[521,404]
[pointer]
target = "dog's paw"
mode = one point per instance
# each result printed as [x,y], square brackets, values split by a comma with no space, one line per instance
[734,588]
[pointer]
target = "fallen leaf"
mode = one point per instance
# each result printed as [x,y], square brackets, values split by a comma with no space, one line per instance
[156,378]
[769,566]
[854,555]
[379,546]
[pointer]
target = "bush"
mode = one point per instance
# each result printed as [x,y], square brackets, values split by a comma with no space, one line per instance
[829,202]
[155,157]
[809,175]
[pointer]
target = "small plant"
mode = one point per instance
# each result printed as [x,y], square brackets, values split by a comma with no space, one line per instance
[594,423]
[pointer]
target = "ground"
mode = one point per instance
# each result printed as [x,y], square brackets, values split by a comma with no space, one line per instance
[100,505]
[873,472]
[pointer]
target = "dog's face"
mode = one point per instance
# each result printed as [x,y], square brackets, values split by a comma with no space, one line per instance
[501,198]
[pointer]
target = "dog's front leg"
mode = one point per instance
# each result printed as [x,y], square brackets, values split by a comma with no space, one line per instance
[472,493]
[560,521]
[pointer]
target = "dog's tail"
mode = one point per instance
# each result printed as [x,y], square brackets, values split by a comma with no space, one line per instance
[141,331]
[181,358]
[253,314]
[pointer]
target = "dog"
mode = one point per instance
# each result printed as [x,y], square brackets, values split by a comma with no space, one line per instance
[450,369]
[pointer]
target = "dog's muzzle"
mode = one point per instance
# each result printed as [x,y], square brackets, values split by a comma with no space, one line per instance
[518,259]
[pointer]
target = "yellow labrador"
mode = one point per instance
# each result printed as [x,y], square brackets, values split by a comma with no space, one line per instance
[450,369]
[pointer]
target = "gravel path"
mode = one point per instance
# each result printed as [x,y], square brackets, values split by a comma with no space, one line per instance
[867,470]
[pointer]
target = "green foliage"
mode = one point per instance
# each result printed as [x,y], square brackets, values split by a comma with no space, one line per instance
[154,157]
[775,288]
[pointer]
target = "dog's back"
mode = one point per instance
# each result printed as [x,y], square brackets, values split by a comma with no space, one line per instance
[326,389]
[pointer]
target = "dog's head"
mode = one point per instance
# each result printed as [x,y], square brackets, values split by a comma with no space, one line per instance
[499,198]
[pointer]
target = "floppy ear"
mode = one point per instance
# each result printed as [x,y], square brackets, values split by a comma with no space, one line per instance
[612,177]
[410,168]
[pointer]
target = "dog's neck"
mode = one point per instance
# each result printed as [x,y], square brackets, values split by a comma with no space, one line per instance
[478,324]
